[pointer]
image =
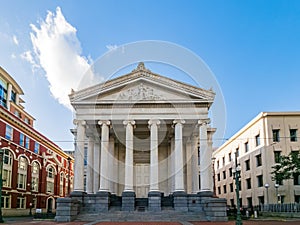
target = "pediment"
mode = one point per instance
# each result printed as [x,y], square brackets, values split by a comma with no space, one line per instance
[143,86]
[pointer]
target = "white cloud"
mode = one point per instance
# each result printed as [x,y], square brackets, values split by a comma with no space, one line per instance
[111,47]
[57,50]
[15,40]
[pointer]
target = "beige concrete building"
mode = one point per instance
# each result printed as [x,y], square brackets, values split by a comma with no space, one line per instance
[259,145]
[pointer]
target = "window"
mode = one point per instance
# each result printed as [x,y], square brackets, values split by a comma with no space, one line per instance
[6,201]
[231,187]
[223,160]
[21,139]
[35,176]
[7,168]
[296,177]
[219,177]
[26,142]
[261,200]
[85,155]
[36,147]
[50,179]
[237,152]
[247,164]
[258,160]
[22,172]
[219,190]
[9,132]
[21,202]
[276,136]
[246,147]
[277,156]
[224,174]
[257,140]
[260,181]
[248,183]
[224,189]
[13,96]
[218,164]
[229,157]
[249,202]
[240,185]
[230,172]
[3,92]
[232,202]
[293,135]
[17,113]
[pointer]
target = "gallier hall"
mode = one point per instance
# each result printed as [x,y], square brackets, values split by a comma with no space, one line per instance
[149,149]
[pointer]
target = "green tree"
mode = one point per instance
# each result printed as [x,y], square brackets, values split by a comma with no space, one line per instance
[287,168]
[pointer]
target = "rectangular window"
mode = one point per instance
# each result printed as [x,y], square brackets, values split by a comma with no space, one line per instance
[277,156]
[276,136]
[248,183]
[219,190]
[258,160]
[293,135]
[13,96]
[224,174]
[229,157]
[230,172]
[50,187]
[249,202]
[224,189]
[231,187]
[36,147]
[219,177]
[237,152]
[223,160]
[261,199]
[6,178]
[9,132]
[257,140]
[26,142]
[21,203]
[5,203]
[21,139]
[246,147]
[21,181]
[247,164]
[218,164]
[260,181]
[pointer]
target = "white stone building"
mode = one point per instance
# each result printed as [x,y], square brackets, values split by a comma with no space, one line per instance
[144,134]
[259,144]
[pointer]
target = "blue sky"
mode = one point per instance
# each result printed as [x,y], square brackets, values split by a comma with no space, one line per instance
[252,47]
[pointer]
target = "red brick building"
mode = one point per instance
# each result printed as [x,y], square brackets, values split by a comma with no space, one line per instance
[35,170]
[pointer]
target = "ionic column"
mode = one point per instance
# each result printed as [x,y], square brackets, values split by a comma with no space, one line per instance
[96,166]
[153,124]
[205,159]
[79,156]
[178,156]
[111,163]
[194,165]
[129,156]
[104,184]
[90,165]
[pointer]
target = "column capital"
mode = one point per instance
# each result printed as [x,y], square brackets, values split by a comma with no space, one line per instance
[179,121]
[154,121]
[203,122]
[129,122]
[79,122]
[102,122]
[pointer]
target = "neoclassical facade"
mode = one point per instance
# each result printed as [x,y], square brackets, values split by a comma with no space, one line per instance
[148,138]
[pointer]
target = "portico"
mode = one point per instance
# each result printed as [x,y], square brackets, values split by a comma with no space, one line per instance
[147,137]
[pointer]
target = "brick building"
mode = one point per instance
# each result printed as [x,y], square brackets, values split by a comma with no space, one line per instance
[35,170]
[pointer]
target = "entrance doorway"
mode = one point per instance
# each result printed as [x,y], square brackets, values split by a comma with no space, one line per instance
[142,185]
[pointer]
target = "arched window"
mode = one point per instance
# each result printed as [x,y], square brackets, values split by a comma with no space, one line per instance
[7,168]
[61,184]
[22,172]
[50,179]
[35,176]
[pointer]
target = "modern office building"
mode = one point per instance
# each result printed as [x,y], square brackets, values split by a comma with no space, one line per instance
[258,146]
[35,170]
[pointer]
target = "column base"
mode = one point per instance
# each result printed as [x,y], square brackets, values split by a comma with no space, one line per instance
[128,201]
[154,201]
[205,193]
[180,201]
[102,201]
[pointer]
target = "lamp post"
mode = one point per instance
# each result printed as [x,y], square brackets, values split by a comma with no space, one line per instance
[1,167]
[267,189]
[214,176]
[237,175]
[30,203]
[69,168]
[276,188]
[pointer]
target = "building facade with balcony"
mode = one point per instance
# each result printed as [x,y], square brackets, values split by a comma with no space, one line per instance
[257,147]
[35,170]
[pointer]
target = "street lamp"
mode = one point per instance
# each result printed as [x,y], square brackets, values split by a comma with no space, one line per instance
[267,188]
[30,203]
[237,175]
[1,167]
[276,188]
[214,176]
[69,165]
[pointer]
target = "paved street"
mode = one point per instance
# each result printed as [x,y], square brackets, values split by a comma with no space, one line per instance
[28,221]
